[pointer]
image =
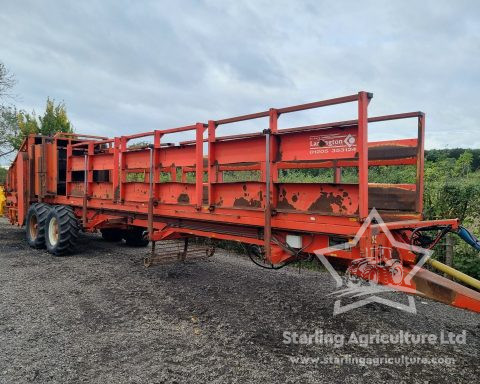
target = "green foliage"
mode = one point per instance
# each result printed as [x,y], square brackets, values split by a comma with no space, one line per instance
[7,113]
[135,177]
[20,124]
[26,124]
[321,175]
[466,259]
[3,175]
[233,176]
[452,190]
[435,155]
[8,127]
[54,119]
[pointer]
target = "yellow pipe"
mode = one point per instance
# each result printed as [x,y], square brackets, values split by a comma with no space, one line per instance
[454,273]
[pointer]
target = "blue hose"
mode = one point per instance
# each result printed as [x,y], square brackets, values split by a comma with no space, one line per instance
[468,237]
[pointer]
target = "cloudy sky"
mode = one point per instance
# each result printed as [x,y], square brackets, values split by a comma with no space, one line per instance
[129,66]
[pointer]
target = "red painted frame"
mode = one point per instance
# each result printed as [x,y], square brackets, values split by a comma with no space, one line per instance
[269,206]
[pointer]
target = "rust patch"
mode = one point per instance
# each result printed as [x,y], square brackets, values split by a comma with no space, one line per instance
[433,290]
[285,204]
[327,200]
[183,198]
[391,197]
[242,202]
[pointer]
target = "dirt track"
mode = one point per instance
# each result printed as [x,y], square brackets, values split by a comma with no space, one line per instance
[100,316]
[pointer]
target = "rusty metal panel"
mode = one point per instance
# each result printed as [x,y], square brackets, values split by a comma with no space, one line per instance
[334,143]
[136,192]
[77,188]
[246,195]
[176,193]
[392,149]
[320,198]
[401,197]
[101,190]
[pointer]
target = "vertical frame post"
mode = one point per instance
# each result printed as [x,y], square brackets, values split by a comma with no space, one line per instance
[123,178]
[116,169]
[267,231]
[212,171]
[150,195]
[68,178]
[269,148]
[199,164]
[157,138]
[363,99]
[85,191]
[337,173]
[274,144]
[42,174]
[420,164]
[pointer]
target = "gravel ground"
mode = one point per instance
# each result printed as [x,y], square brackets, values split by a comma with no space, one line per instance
[101,317]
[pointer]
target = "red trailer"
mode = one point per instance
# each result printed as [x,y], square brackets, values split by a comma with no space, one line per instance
[59,185]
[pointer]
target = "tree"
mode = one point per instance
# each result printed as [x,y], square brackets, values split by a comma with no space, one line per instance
[20,124]
[7,113]
[55,119]
[8,129]
[26,124]
[7,81]
[3,177]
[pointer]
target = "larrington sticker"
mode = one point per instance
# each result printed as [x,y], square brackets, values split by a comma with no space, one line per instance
[333,143]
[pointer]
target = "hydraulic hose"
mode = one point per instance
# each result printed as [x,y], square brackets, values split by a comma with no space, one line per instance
[468,237]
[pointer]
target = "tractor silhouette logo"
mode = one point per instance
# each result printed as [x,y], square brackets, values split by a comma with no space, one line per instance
[361,280]
[371,269]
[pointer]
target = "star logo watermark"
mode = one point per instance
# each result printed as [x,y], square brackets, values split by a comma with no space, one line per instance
[367,267]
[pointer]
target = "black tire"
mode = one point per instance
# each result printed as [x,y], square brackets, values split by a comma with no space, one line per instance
[134,237]
[35,224]
[113,235]
[61,230]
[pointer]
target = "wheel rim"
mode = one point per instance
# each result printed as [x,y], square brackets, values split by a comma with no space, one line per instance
[53,231]
[33,227]
[397,274]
